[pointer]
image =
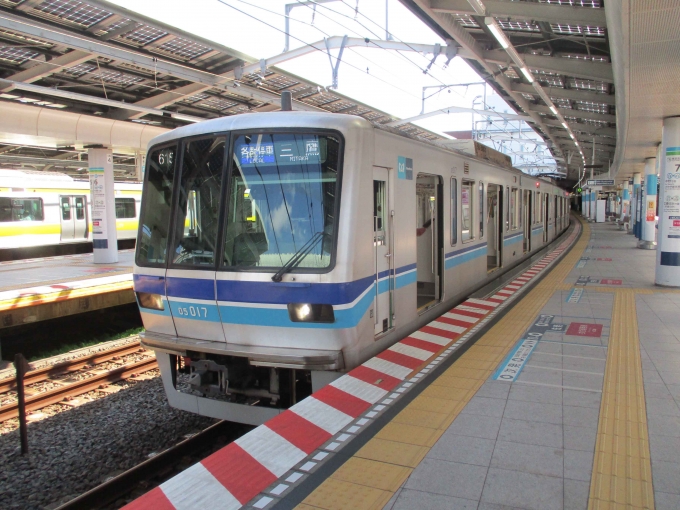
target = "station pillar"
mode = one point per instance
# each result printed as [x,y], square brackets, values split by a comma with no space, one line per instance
[634,204]
[103,206]
[668,247]
[648,216]
[593,205]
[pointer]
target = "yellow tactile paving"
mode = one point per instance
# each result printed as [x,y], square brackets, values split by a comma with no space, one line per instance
[418,427]
[622,470]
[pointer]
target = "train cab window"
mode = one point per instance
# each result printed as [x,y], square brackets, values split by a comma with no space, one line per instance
[197,212]
[466,206]
[156,205]
[65,208]
[21,209]
[125,208]
[282,206]
[454,211]
[514,209]
[481,209]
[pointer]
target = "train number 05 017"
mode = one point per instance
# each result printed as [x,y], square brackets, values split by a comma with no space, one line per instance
[193,311]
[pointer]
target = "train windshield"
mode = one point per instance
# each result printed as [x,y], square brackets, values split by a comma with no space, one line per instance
[282,201]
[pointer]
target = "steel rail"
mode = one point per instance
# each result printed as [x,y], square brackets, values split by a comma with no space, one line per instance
[117,487]
[66,367]
[56,395]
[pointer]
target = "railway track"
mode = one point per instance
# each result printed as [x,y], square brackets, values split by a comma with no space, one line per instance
[158,468]
[92,378]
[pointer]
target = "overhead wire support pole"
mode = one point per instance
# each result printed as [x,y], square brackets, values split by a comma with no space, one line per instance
[338,59]
[290,7]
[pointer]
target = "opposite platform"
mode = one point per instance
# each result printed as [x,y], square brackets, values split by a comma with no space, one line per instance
[39,289]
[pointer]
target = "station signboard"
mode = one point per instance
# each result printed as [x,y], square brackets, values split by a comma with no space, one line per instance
[600,182]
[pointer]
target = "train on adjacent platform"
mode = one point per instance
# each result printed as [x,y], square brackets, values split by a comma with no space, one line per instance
[51,208]
[279,250]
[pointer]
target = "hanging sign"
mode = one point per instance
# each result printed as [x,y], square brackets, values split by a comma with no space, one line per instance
[600,182]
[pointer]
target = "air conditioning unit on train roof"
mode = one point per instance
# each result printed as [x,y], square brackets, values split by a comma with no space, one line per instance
[474,148]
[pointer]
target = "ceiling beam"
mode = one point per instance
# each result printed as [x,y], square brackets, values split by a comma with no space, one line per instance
[526,11]
[582,114]
[586,128]
[55,65]
[559,65]
[571,94]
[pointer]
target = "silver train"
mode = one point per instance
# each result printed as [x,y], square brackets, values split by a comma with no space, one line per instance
[277,251]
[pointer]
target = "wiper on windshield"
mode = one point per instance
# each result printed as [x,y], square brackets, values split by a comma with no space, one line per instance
[298,256]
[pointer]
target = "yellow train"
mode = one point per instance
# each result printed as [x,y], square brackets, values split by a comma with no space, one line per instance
[50,208]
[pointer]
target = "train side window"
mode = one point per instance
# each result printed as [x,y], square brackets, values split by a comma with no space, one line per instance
[156,206]
[21,209]
[125,208]
[481,209]
[539,208]
[199,200]
[65,208]
[514,209]
[80,208]
[454,211]
[466,206]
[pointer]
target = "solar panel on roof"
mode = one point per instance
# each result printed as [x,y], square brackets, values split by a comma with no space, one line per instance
[17,55]
[73,11]
[143,35]
[81,69]
[184,48]
[117,77]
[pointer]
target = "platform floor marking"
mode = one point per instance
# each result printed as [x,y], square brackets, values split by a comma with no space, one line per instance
[622,471]
[422,422]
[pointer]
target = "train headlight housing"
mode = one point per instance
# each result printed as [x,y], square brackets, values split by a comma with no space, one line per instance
[307,312]
[152,301]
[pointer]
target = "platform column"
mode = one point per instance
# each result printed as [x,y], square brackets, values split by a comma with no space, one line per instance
[593,205]
[648,216]
[634,204]
[668,247]
[103,206]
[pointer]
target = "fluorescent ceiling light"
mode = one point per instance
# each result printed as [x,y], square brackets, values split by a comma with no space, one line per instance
[565,126]
[497,32]
[553,109]
[527,74]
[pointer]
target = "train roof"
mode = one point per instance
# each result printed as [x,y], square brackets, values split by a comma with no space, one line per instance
[300,119]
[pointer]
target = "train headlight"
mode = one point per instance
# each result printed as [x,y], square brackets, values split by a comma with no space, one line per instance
[147,300]
[307,312]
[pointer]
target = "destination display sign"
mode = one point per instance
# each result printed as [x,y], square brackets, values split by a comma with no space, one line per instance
[600,182]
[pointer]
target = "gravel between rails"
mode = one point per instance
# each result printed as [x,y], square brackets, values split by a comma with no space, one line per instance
[76,450]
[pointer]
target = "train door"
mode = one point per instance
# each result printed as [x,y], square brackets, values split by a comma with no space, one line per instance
[546,216]
[428,240]
[73,217]
[494,243]
[526,219]
[382,252]
[555,215]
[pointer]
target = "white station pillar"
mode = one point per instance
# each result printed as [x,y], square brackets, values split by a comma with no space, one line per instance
[634,203]
[648,217]
[102,199]
[668,248]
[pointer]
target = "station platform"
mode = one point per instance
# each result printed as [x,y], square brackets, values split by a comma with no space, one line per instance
[32,290]
[558,390]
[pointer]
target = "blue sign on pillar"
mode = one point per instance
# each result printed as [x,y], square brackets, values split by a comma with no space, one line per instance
[405,168]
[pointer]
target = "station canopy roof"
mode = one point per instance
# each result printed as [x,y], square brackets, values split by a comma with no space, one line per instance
[567,85]
[98,59]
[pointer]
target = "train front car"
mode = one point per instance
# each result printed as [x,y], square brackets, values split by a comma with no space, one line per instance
[244,270]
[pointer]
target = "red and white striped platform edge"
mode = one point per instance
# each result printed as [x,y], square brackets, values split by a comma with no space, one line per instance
[262,466]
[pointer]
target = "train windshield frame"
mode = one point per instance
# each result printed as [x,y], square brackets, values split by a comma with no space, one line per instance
[283,201]
[205,226]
